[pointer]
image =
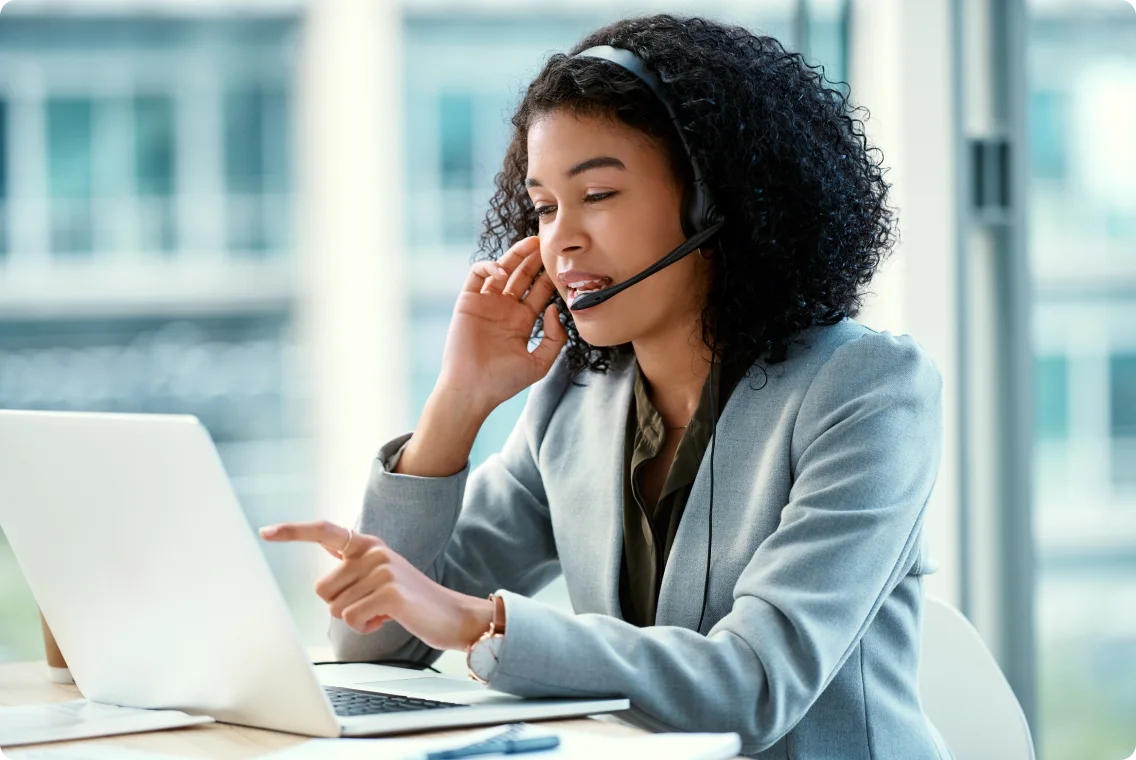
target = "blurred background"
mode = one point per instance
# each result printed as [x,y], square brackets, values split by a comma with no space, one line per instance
[260,211]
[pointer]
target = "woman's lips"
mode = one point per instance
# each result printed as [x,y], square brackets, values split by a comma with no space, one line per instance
[580,282]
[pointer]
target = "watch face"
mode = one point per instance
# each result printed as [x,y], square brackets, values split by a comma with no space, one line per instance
[483,656]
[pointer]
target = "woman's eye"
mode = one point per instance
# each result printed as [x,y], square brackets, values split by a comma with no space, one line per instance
[542,211]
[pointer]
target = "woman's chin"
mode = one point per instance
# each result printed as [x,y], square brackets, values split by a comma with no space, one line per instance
[602,336]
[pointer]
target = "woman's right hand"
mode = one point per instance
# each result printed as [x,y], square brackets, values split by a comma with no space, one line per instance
[486,357]
[486,360]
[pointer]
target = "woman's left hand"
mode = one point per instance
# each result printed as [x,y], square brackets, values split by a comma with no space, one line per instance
[374,584]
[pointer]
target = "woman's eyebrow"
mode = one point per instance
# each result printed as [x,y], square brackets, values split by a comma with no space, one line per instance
[599,162]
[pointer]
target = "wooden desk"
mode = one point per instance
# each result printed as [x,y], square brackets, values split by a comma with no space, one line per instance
[26,683]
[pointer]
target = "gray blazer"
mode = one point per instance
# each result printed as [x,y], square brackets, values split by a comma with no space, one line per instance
[810,646]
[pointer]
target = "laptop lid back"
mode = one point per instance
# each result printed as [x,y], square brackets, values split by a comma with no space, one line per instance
[132,541]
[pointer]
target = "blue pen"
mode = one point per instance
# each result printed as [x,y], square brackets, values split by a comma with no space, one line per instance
[502,745]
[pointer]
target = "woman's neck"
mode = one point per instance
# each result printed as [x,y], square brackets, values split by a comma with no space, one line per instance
[675,365]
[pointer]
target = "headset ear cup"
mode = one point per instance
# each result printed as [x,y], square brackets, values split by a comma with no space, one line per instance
[691,223]
[698,212]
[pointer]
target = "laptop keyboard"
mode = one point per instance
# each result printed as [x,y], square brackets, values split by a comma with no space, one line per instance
[349,702]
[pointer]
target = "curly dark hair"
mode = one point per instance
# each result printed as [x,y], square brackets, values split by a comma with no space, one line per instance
[791,170]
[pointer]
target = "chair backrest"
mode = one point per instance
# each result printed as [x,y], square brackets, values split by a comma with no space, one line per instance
[964,693]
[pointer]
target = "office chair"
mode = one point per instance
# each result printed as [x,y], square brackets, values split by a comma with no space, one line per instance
[964,693]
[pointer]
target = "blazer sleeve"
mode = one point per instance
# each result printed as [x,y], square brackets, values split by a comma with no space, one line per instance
[865,454]
[472,533]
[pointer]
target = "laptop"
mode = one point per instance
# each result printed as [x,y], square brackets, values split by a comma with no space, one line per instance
[157,590]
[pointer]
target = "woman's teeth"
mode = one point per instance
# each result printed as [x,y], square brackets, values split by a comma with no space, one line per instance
[586,286]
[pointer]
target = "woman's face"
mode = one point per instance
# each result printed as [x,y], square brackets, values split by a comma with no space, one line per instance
[608,207]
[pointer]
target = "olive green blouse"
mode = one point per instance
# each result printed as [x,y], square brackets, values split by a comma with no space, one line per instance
[649,529]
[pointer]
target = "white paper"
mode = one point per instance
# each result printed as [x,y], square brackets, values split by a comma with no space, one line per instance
[80,719]
[574,745]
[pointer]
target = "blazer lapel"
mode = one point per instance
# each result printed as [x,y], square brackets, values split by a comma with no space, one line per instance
[684,577]
[589,487]
[611,440]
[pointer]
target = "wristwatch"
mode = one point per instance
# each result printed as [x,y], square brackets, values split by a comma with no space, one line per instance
[482,656]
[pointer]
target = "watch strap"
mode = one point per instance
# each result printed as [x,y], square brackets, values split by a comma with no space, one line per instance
[496,630]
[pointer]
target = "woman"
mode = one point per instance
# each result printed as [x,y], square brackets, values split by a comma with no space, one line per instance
[773,587]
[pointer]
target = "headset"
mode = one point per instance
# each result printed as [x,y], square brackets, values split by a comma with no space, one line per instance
[701,221]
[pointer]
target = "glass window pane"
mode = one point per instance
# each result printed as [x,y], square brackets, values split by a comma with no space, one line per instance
[276,119]
[1051,397]
[244,169]
[276,212]
[1048,133]
[70,173]
[1122,386]
[154,144]
[1082,223]
[3,178]
[456,134]
[244,133]
[826,30]
[455,128]
[154,171]
[3,150]
[257,168]
[69,147]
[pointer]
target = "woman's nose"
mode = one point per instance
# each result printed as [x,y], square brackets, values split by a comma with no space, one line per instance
[564,235]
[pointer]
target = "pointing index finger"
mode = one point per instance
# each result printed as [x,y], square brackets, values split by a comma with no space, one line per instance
[323,532]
